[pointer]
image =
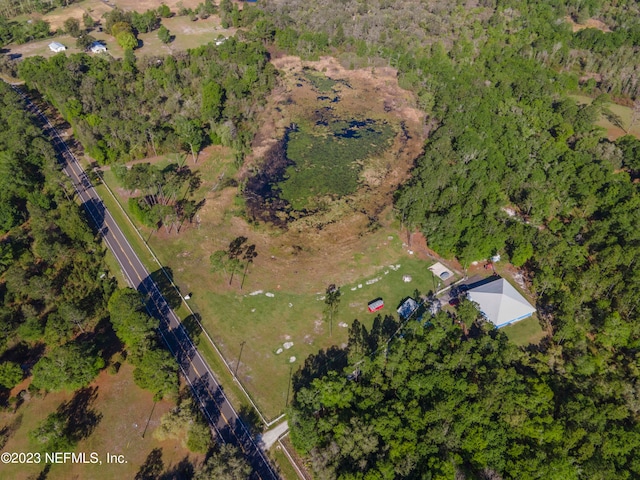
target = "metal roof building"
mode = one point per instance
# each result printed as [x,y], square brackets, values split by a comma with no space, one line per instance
[500,302]
[57,47]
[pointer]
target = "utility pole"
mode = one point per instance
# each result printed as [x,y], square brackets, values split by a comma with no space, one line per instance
[239,357]
[149,419]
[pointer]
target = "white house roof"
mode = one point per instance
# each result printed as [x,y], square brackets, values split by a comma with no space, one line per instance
[98,47]
[500,302]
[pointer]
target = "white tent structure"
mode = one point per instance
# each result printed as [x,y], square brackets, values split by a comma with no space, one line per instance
[500,302]
[57,47]
[97,47]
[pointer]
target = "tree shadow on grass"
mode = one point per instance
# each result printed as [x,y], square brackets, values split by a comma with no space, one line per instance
[7,431]
[152,468]
[318,365]
[44,473]
[182,470]
[81,418]
[163,278]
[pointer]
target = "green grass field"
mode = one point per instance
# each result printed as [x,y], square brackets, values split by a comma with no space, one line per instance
[525,331]
[265,323]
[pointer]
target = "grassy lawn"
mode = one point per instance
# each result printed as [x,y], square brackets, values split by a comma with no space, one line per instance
[286,470]
[119,431]
[265,323]
[525,331]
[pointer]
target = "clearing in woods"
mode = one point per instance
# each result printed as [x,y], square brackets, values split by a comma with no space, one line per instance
[118,430]
[188,34]
[352,240]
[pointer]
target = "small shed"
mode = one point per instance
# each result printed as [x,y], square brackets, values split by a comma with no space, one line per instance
[57,47]
[375,305]
[407,308]
[97,47]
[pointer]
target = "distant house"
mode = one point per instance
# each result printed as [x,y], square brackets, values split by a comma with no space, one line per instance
[375,305]
[57,47]
[97,47]
[500,302]
[407,308]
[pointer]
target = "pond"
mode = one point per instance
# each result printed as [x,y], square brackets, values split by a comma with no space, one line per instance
[311,166]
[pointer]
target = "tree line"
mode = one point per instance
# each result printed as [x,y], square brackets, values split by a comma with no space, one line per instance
[59,308]
[127,109]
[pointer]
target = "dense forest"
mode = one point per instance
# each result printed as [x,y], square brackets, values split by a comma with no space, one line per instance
[512,165]
[122,110]
[54,287]
[51,267]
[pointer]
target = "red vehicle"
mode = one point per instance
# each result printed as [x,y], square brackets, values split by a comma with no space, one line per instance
[375,305]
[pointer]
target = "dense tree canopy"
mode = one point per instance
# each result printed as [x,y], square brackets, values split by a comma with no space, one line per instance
[156,369]
[52,286]
[122,111]
[513,165]
[436,403]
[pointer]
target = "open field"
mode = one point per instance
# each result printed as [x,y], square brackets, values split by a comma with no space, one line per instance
[123,410]
[295,265]
[525,331]
[617,129]
[188,34]
[268,328]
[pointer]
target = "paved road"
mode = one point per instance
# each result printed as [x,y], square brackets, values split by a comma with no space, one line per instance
[215,405]
[267,439]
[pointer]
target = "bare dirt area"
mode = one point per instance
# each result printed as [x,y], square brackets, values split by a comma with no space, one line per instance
[591,23]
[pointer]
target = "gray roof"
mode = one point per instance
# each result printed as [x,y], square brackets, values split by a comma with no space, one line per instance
[500,302]
[407,308]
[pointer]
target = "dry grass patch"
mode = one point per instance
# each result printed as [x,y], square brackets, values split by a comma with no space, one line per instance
[124,409]
[619,126]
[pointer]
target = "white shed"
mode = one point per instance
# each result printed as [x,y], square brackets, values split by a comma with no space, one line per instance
[57,47]
[97,47]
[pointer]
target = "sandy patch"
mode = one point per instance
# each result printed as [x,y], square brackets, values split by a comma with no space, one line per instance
[591,23]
